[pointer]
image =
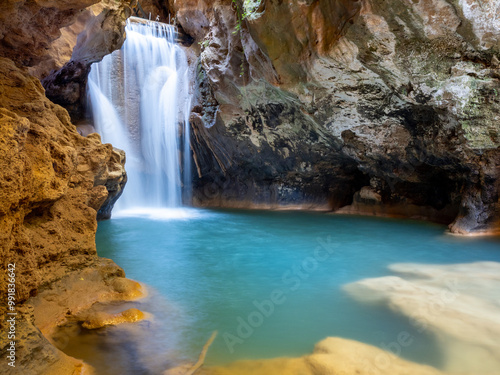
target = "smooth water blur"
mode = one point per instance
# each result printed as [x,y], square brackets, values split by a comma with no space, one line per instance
[213,266]
[140,102]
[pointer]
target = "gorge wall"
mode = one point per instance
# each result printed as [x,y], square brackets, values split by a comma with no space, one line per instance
[372,107]
[386,107]
[360,106]
[54,184]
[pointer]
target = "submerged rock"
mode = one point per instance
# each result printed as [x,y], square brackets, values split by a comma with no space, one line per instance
[331,356]
[456,303]
[102,319]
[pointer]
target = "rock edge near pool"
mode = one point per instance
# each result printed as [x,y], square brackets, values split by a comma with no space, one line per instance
[331,356]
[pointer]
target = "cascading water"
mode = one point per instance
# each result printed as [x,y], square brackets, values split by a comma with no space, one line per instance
[140,103]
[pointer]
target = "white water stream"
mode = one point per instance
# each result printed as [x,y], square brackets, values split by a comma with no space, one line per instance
[140,103]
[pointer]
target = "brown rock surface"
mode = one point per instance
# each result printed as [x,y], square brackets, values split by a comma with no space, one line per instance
[65,300]
[52,183]
[309,101]
[60,50]
[331,356]
[35,355]
[98,31]
[28,27]
[102,33]
[103,319]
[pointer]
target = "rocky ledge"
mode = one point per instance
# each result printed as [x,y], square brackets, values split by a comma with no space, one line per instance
[70,299]
[54,184]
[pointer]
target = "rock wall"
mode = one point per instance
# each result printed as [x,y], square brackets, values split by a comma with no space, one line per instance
[54,184]
[316,103]
[310,101]
[102,32]
[29,27]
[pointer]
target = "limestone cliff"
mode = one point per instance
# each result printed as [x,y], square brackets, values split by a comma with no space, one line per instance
[54,184]
[311,101]
[363,106]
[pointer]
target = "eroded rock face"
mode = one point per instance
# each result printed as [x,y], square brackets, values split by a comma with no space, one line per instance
[314,100]
[53,181]
[102,33]
[255,145]
[98,31]
[28,28]
[54,184]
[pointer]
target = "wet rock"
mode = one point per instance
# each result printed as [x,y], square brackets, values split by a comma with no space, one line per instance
[387,97]
[53,182]
[73,294]
[456,303]
[100,320]
[333,355]
[35,354]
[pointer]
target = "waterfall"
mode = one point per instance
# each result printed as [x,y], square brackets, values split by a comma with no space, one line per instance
[140,102]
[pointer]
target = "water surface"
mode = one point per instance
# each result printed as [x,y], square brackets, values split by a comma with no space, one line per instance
[216,267]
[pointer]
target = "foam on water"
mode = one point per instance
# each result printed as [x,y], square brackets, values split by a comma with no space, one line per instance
[160,213]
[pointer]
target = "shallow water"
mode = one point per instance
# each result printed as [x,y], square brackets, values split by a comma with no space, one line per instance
[216,267]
